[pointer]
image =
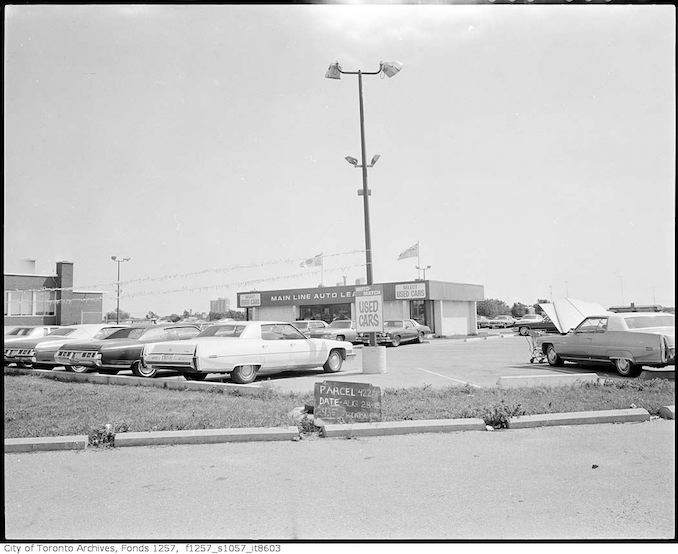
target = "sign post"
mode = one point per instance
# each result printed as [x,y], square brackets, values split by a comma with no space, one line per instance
[369,311]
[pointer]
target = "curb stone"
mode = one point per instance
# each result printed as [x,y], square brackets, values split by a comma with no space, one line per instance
[668,412]
[210,436]
[580,418]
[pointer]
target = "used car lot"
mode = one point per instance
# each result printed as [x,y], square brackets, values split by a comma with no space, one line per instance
[437,363]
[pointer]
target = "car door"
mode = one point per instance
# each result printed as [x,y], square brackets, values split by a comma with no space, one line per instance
[303,352]
[276,349]
[579,343]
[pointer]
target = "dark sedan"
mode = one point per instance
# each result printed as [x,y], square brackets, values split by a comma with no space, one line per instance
[121,350]
[398,331]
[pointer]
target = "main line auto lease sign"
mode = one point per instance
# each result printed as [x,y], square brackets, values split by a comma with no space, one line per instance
[343,402]
[369,308]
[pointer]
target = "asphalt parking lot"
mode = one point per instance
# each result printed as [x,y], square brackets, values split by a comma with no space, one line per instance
[476,361]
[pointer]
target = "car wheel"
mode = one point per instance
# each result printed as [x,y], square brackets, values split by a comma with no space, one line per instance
[340,337]
[420,337]
[524,331]
[334,362]
[78,368]
[552,357]
[195,376]
[244,374]
[395,341]
[141,371]
[626,368]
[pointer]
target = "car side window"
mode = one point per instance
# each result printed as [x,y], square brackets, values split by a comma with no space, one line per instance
[290,332]
[315,325]
[408,325]
[270,332]
[592,325]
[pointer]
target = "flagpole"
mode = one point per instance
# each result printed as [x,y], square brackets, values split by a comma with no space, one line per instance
[418,261]
[322,269]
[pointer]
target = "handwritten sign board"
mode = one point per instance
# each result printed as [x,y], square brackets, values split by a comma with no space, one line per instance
[369,308]
[341,402]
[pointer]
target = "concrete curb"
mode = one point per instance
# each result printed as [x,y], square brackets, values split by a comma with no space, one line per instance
[518,381]
[131,380]
[667,412]
[657,374]
[580,418]
[35,444]
[206,436]
[382,428]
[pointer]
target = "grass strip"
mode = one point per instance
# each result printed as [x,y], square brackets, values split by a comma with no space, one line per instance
[36,406]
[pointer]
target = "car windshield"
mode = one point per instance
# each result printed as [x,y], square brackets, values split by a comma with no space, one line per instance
[62,332]
[393,323]
[223,331]
[341,324]
[646,321]
[129,333]
[105,332]
[19,331]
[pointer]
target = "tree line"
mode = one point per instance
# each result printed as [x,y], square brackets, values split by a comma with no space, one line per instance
[493,307]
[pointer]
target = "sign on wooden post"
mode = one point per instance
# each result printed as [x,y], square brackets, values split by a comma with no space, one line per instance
[342,402]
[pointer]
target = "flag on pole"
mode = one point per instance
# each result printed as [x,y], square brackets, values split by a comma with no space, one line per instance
[314,261]
[411,252]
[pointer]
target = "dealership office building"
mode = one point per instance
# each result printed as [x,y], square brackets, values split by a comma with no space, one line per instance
[447,308]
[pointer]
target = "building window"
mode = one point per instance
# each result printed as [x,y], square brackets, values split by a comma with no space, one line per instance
[45,302]
[27,302]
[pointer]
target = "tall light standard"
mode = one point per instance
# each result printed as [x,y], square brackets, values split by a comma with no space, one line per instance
[423,268]
[117,308]
[335,72]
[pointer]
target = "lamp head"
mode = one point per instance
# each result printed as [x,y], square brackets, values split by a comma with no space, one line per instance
[114,258]
[352,161]
[391,68]
[334,71]
[375,159]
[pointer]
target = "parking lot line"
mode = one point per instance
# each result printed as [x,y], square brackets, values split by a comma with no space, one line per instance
[450,378]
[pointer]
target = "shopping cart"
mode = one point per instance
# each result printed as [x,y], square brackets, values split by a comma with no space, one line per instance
[536,354]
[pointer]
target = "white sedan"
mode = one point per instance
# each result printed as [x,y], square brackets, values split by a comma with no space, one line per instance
[243,348]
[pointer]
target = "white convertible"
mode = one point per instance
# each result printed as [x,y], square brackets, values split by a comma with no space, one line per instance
[243,348]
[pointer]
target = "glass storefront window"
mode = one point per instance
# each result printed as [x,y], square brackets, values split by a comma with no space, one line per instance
[326,312]
[417,311]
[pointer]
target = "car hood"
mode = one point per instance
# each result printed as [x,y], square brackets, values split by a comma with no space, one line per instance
[88,345]
[567,313]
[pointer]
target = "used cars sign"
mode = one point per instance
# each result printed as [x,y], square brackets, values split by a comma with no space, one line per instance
[369,308]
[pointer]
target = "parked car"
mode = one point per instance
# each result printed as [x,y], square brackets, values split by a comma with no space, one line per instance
[627,340]
[423,328]
[482,322]
[501,321]
[396,332]
[243,349]
[28,331]
[306,326]
[120,350]
[39,352]
[341,329]
[534,322]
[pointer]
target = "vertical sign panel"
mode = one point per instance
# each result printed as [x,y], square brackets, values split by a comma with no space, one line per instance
[369,309]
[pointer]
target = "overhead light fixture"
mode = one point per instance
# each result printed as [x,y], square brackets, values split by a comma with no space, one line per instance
[334,71]
[375,159]
[389,68]
[351,160]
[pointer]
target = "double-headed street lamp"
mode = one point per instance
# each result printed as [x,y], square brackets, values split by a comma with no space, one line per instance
[423,268]
[117,309]
[335,72]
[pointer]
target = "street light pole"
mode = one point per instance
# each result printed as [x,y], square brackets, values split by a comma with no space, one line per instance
[117,304]
[335,72]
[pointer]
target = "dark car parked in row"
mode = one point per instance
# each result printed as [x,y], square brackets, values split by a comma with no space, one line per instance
[121,350]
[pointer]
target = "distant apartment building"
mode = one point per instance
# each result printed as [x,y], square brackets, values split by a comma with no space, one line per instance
[32,299]
[220,305]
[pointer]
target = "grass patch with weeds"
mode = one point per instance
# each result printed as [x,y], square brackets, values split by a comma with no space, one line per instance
[37,406]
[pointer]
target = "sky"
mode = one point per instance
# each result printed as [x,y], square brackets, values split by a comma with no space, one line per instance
[529,149]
